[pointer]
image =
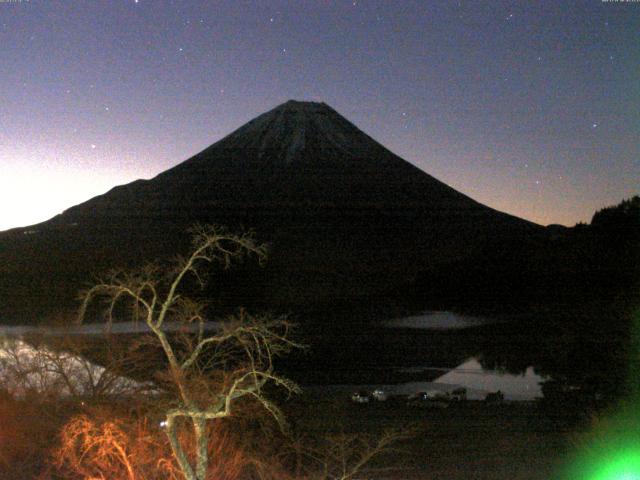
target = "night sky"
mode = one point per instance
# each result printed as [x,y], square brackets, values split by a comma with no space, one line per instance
[532,108]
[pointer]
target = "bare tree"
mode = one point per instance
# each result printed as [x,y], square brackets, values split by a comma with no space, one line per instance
[346,456]
[209,371]
[59,367]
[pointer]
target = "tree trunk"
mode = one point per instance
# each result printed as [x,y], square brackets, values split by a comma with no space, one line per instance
[178,452]
[202,442]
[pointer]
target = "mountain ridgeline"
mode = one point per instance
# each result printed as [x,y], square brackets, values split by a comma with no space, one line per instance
[347,222]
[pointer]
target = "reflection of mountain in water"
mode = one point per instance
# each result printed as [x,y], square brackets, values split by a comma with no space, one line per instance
[567,348]
[397,351]
[27,369]
[442,350]
[437,321]
[479,381]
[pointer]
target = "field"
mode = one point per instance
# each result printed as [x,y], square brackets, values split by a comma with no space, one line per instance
[469,440]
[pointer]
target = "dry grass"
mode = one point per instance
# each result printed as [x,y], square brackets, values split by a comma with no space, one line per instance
[105,445]
[28,430]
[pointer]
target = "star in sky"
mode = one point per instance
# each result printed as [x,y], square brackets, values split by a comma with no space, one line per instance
[519,92]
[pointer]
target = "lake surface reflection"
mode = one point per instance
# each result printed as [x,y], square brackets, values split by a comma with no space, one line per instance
[479,381]
[430,351]
[434,320]
[470,374]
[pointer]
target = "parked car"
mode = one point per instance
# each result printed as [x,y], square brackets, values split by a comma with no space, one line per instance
[494,398]
[360,397]
[423,395]
[438,395]
[459,394]
[433,399]
[380,395]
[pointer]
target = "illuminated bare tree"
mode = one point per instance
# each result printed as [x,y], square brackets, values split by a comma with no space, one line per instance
[208,370]
[56,367]
[346,456]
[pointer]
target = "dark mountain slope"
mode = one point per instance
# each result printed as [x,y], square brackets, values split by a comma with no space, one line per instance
[346,219]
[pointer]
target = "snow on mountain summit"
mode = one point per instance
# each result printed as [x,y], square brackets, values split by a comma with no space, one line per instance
[346,218]
[296,128]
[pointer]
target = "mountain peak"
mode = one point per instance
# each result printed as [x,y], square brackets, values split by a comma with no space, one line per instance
[302,104]
[347,218]
[304,107]
[291,130]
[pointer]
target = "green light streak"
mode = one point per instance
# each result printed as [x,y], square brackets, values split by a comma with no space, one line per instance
[610,459]
[611,450]
[624,466]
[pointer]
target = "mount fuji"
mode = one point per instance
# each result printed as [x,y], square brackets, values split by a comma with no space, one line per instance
[346,219]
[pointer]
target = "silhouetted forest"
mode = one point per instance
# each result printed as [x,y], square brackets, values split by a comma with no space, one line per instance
[585,339]
[588,264]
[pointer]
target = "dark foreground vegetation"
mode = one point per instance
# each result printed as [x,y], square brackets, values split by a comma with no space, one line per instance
[188,403]
[592,266]
[72,440]
[469,439]
[571,310]
[583,340]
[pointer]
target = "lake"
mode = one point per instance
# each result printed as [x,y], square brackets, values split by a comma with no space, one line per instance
[430,351]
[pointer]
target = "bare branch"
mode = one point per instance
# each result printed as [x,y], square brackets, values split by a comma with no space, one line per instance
[239,355]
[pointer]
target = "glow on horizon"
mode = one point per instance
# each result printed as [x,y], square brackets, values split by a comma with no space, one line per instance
[37,197]
[34,195]
[34,191]
[497,110]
